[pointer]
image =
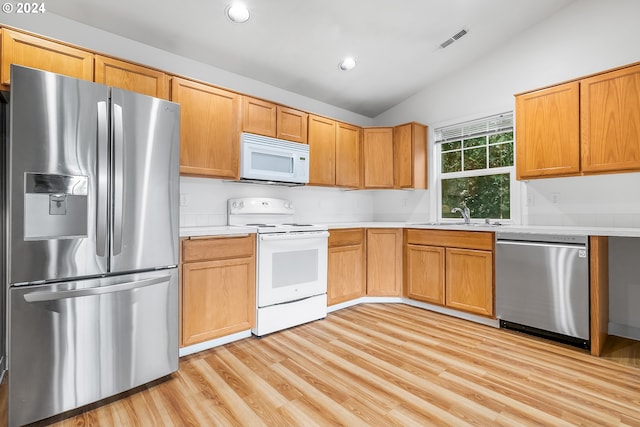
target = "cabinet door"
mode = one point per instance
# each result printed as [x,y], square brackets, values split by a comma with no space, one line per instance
[292,124]
[258,116]
[346,275]
[547,132]
[469,280]
[34,52]
[410,156]
[424,273]
[384,262]
[135,78]
[209,129]
[218,299]
[322,154]
[348,140]
[610,121]
[378,157]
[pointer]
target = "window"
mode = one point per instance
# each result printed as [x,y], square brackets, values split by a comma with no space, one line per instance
[476,167]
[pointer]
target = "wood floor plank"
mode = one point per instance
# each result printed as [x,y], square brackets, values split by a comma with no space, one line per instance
[384,365]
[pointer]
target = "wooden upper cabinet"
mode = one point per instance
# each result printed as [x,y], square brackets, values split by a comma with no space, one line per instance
[322,153]
[209,129]
[258,116]
[378,157]
[410,156]
[610,121]
[348,142]
[34,52]
[269,119]
[548,132]
[147,81]
[292,124]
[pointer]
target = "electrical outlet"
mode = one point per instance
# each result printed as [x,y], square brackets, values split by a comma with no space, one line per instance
[531,199]
[555,198]
[183,199]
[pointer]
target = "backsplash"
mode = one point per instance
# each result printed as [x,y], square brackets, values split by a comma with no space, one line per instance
[611,200]
[204,201]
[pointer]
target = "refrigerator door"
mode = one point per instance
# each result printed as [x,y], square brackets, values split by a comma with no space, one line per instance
[146,160]
[74,343]
[57,125]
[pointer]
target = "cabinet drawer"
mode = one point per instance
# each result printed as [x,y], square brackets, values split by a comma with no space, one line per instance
[346,237]
[212,248]
[452,239]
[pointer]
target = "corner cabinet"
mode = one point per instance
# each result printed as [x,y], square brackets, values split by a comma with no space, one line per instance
[587,126]
[347,265]
[35,52]
[147,81]
[450,268]
[384,262]
[218,287]
[377,158]
[410,156]
[209,129]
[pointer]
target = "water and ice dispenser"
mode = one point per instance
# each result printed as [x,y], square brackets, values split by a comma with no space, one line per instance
[55,206]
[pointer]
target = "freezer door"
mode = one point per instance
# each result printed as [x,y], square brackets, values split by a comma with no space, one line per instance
[56,125]
[146,161]
[78,342]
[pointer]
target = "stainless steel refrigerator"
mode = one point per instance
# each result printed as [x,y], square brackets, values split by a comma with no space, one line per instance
[92,176]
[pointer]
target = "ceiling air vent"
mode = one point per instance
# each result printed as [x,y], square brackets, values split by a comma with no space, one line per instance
[455,37]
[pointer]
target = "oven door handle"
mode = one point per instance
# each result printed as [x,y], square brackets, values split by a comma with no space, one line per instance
[295,235]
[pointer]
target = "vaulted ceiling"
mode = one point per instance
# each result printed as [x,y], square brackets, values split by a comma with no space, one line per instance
[296,44]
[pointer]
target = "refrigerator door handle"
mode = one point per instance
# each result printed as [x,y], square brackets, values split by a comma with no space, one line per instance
[44,296]
[118,178]
[102,177]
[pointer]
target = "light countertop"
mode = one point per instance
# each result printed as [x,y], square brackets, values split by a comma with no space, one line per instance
[223,230]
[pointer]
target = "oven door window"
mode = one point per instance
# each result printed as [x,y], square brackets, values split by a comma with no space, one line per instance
[289,270]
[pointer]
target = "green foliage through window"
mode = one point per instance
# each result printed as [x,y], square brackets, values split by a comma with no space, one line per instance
[464,161]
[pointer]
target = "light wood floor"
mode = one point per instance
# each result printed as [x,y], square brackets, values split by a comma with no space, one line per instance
[384,365]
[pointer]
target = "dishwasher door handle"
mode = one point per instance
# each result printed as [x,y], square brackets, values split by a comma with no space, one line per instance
[540,244]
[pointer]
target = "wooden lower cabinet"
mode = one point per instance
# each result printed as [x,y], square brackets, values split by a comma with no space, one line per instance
[450,268]
[218,287]
[384,262]
[469,280]
[424,272]
[347,266]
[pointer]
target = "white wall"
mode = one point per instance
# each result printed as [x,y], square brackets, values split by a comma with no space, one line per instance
[586,37]
[206,201]
[63,29]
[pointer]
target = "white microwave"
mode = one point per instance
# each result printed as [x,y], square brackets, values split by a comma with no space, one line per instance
[273,160]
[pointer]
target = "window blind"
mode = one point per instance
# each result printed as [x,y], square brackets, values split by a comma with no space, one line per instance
[480,127]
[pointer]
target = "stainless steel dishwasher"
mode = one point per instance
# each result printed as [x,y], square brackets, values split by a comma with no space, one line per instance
[542,285]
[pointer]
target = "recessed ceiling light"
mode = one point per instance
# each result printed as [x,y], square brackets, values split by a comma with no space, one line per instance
[347,64]
[238,13]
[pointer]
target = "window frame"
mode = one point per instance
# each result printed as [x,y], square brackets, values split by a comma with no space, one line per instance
[514,184]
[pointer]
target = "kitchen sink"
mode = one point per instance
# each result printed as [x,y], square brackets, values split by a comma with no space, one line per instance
[457,224]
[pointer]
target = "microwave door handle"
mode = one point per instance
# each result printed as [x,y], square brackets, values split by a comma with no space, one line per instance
[118,178]
[102,180]
[44,296]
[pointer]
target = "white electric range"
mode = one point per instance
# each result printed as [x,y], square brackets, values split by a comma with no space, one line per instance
[291,273]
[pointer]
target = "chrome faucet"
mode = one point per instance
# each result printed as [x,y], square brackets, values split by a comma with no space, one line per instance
[466,214]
